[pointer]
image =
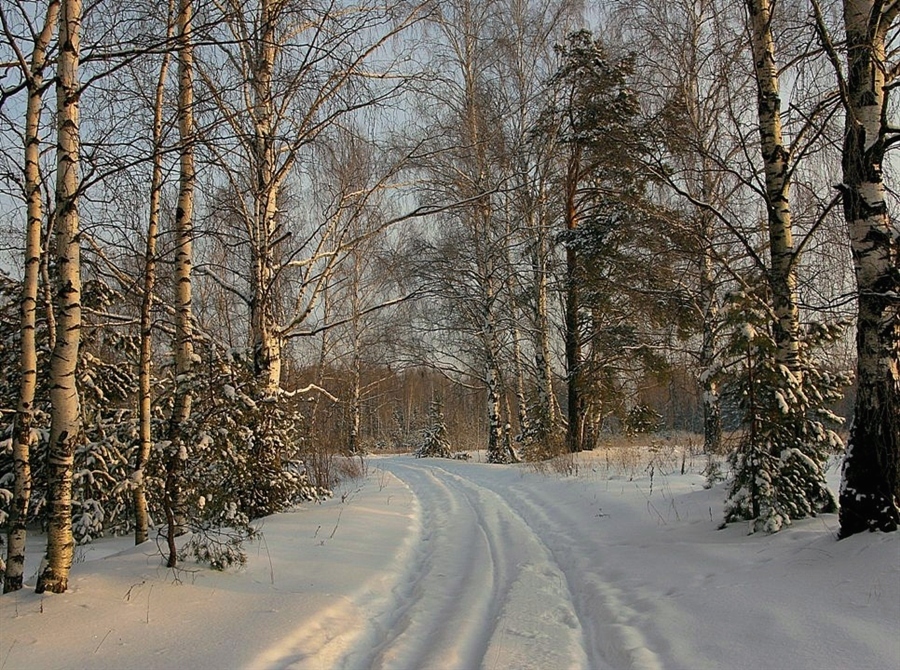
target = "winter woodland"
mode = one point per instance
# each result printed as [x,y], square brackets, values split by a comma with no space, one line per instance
[636,260]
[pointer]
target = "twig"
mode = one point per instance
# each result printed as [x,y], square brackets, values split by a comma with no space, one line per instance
[148,603]
[103,640]
[269,556]
[337,523]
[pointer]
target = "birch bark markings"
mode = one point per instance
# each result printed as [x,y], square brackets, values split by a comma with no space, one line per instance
[65,426]
[776,159]
[184,213]
[264,330]
[22,431]
[142,519]
[870,491]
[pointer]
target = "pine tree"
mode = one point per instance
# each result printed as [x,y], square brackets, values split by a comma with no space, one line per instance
[786,425]
[434,437]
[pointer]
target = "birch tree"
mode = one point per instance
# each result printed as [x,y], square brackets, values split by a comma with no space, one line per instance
[184,219]
[66,422]
[141,514]
[33,74]
[291,71]
[777,168]
[870,489]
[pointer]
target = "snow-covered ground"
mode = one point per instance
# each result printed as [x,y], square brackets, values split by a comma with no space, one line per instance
[447,564]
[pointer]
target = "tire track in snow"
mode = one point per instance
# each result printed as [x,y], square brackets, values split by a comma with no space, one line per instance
[437,620]
[613,639]
[483,592]
[326,641]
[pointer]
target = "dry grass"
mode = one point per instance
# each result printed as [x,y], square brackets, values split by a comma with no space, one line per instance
[624,456]
[326,468]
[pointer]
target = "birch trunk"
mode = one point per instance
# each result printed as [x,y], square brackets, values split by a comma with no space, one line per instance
[712,417]
[356,372]
[47,285]
[776,159]
[184,343]
[546,397]
[497,453]
[22,430]
[65,425]
[142,518]
[869,491]
[266,340]
[518,370]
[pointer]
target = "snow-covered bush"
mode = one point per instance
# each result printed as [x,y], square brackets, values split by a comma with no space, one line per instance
[435,443]
[101,483]
[641,419]
[786,427]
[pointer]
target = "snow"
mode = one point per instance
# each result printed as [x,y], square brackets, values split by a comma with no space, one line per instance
[437,563]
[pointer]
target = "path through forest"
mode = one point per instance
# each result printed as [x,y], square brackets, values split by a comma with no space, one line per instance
[596,564]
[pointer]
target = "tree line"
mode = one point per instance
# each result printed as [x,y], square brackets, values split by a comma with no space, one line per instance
[247,236]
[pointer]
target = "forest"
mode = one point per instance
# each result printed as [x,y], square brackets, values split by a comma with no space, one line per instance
[245,244]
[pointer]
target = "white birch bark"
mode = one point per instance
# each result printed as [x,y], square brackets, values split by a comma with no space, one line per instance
[870,491]
[142,518]
[22,431]
[65,426]
[184,214]
[266,340]
[776,159]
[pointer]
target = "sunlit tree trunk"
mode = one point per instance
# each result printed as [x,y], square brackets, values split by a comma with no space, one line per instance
[869,491]
[22,429]
[65,426]
[184,340]
[356,362]
[776,159]
[266,340]
[142,518]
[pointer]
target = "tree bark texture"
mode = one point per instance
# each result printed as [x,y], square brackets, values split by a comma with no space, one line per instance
[22,429]
[575,430]
[870,489]
[266,339]
[546,397]
[66,419]
[184,216]
[776,160]
[139,494]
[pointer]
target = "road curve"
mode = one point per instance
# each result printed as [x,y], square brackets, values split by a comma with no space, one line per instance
[483,588]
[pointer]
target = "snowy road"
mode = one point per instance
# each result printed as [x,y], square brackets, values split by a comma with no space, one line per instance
[435,564]
[501,576]
[508,569]
[480,590]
